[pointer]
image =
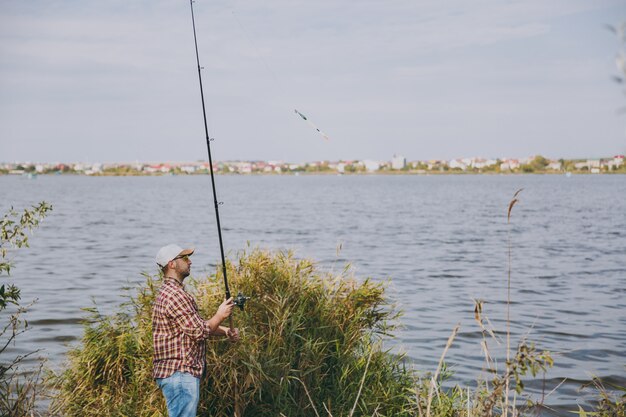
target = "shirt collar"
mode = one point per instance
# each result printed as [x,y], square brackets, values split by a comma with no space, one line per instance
[174,281]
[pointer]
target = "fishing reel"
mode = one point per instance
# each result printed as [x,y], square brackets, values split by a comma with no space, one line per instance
[240,300]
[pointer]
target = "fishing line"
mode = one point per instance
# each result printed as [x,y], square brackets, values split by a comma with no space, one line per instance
[273,74]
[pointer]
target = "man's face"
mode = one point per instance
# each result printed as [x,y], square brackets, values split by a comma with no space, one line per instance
[182,266]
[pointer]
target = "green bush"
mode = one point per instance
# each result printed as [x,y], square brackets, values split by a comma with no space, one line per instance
[311,345]
[19,387]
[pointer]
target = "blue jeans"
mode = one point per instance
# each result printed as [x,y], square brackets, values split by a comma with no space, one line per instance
[182,392]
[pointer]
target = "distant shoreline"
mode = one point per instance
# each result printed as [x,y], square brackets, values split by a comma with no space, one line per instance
[397,166]
[295,174]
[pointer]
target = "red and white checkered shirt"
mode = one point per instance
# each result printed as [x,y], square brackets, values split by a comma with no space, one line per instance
[178,332]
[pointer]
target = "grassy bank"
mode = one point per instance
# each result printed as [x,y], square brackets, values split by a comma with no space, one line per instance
[311,346]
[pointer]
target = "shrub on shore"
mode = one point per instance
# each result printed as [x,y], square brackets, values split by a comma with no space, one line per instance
[19,387]
[311,345]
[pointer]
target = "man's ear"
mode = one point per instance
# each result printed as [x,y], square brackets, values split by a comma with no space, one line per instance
[168,266]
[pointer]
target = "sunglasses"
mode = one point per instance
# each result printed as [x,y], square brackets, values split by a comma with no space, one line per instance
[184,258]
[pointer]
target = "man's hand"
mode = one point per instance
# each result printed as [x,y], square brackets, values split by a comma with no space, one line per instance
[225,309]
[233,335]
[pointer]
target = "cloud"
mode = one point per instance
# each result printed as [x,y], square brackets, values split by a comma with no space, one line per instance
[360,69]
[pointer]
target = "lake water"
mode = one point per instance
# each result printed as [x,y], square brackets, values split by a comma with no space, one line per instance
[440,240]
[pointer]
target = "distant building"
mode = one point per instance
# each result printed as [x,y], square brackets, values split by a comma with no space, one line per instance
[94,169]
[398,162]
[371,166]
[593,163]
[509,164]
[433,163]
[457,164]
[481,163]
[244,167]
[554,165]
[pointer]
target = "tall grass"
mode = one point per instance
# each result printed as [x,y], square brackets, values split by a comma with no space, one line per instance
[609,404]
[311,346]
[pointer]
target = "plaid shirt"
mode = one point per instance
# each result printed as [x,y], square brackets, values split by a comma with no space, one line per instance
[178,332]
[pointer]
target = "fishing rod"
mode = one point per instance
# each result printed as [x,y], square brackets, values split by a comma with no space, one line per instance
[240,300]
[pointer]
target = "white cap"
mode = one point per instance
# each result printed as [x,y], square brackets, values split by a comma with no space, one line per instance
[169,252]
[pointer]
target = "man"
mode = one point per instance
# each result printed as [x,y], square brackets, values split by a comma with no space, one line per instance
[179,333]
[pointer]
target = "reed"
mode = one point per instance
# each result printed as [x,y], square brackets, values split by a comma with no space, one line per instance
[611,401]
[311,341]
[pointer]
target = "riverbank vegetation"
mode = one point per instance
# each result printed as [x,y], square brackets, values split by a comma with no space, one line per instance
[610,402]
[19,388]
[313,344]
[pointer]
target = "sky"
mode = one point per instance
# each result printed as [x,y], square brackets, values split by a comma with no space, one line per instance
[117,81]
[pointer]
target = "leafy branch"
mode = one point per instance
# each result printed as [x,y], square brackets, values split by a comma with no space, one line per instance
[14,230]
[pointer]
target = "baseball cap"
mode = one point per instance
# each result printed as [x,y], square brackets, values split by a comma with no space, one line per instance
[169,252]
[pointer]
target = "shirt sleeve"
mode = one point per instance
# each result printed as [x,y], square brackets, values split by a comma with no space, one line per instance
[185,315]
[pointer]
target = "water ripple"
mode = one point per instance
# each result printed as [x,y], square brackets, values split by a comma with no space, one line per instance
[441,239]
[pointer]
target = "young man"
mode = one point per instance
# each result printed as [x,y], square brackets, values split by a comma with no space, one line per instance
[179,333]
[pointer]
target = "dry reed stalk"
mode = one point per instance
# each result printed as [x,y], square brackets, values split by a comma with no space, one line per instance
[485,349]
[367,365]
[508,305]
[433,382]
[555,388]
[417,401]
[479,317]
[308,395]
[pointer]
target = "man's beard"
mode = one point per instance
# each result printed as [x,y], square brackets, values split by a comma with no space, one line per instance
[184,273]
